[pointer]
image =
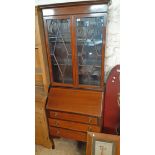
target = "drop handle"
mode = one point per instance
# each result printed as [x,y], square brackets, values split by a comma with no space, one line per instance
[55,114]
[90,120]
[89,128]
[56,123]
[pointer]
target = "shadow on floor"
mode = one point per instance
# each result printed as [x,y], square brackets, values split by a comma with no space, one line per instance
[63,147]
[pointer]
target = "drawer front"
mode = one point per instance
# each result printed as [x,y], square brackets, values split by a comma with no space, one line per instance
[59,132]
[73,125]
[73,117]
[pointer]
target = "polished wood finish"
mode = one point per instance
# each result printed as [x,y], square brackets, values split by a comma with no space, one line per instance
[75,135]
[75,3]
[112,108]
[76,101]
[73,125]
[74,54]
[73,109]
[102,137]
[73,117]
[72,10]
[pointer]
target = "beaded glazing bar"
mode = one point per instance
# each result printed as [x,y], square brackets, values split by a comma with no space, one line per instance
[60,49]
[89,37]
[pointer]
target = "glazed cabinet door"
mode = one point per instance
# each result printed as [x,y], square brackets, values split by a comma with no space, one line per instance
[75,46]
[58,42]
[90,45]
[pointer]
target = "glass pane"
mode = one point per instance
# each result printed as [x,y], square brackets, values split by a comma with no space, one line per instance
[60,49]
[89,37]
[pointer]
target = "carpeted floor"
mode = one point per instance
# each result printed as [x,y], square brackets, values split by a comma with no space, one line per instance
[62,147]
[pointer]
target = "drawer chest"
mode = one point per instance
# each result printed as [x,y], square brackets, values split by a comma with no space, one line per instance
[75,39]
[71,113]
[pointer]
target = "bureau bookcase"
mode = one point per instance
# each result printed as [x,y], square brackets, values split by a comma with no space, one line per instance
[75,36]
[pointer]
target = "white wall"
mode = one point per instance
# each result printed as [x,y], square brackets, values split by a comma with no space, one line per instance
[112,54]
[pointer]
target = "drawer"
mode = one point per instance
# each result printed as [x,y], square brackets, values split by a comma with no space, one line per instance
[73,117]
[73,125]
[59,132]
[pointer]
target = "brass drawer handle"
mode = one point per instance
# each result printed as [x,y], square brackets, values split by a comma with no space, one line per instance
[55,114]
[90,120]
[56,123]
[89,128]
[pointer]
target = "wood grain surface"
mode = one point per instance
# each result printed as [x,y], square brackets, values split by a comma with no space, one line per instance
[59,132]
[77,101]
[73,125]
[73,117]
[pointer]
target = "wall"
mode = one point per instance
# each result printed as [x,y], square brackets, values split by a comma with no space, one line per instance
[112,54]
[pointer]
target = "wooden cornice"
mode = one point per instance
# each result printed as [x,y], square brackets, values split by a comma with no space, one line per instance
[74,3]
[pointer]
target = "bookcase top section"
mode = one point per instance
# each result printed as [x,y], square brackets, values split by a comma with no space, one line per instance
[63,3]
[75,9]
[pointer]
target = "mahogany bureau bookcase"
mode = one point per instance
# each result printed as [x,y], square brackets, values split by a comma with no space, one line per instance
[75,36]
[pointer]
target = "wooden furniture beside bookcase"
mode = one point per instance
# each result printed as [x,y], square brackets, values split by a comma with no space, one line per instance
[75,43]
[41,85]
[112,105]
